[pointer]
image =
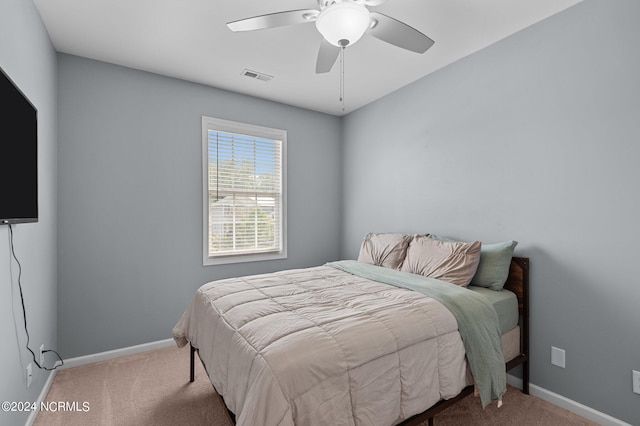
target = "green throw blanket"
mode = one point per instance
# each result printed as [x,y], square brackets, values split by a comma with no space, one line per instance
[477,321]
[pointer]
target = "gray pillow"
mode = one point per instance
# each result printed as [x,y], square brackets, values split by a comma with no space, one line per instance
[386,250]
[495,260]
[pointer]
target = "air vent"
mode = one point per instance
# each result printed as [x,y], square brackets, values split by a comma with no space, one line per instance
[256,75]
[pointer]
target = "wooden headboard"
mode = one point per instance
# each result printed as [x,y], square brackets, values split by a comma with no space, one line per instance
[518,281]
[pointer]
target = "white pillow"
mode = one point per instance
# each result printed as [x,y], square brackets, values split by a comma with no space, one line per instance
[445,260]
[386,250]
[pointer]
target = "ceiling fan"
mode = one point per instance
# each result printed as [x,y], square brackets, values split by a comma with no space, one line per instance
[341,23]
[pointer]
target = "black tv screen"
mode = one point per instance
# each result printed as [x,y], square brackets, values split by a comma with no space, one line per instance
[18,154]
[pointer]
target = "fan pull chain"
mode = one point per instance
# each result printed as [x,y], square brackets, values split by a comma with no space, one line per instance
[342,77]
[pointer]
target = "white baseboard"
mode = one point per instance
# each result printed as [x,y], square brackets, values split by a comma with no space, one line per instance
[514,381]
[116,353]
[43,394]
[567,404]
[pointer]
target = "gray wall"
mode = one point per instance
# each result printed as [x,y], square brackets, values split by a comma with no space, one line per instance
[27,56]
[536,139]
[130,203]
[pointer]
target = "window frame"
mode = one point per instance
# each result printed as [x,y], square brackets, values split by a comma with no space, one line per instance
[218,124]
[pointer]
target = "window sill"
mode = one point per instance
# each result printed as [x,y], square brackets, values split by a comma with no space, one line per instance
[243,258]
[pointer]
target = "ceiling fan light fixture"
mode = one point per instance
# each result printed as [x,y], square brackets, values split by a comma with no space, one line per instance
[342,24]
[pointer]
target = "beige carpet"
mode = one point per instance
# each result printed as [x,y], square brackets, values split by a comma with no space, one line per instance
[152,388]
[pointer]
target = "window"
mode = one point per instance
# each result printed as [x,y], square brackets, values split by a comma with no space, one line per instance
[244,192]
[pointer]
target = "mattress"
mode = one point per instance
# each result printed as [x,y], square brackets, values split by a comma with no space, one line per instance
[505,303]
[511,344]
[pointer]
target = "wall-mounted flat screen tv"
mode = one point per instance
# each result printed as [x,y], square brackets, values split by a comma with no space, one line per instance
[18,155]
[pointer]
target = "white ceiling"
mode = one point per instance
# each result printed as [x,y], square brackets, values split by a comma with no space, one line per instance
[188,39]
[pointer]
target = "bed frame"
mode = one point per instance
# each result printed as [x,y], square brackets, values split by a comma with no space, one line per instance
[517,282]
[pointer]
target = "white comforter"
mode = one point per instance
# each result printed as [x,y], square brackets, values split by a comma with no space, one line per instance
[320,346]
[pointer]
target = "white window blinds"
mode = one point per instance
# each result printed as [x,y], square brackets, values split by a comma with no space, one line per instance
[244,190]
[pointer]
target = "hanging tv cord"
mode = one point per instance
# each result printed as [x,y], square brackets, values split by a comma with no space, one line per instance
[24,312]
[342,47]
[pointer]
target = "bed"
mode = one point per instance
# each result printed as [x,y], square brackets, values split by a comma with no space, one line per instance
[360,342]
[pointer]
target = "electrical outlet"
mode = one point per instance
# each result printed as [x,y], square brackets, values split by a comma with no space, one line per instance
[557,357]
[29,374]
[41,355]
[636,381]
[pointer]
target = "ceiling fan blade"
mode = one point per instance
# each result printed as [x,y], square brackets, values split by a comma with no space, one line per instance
[374,2]
[272,20]
[398,33]
[327,56]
